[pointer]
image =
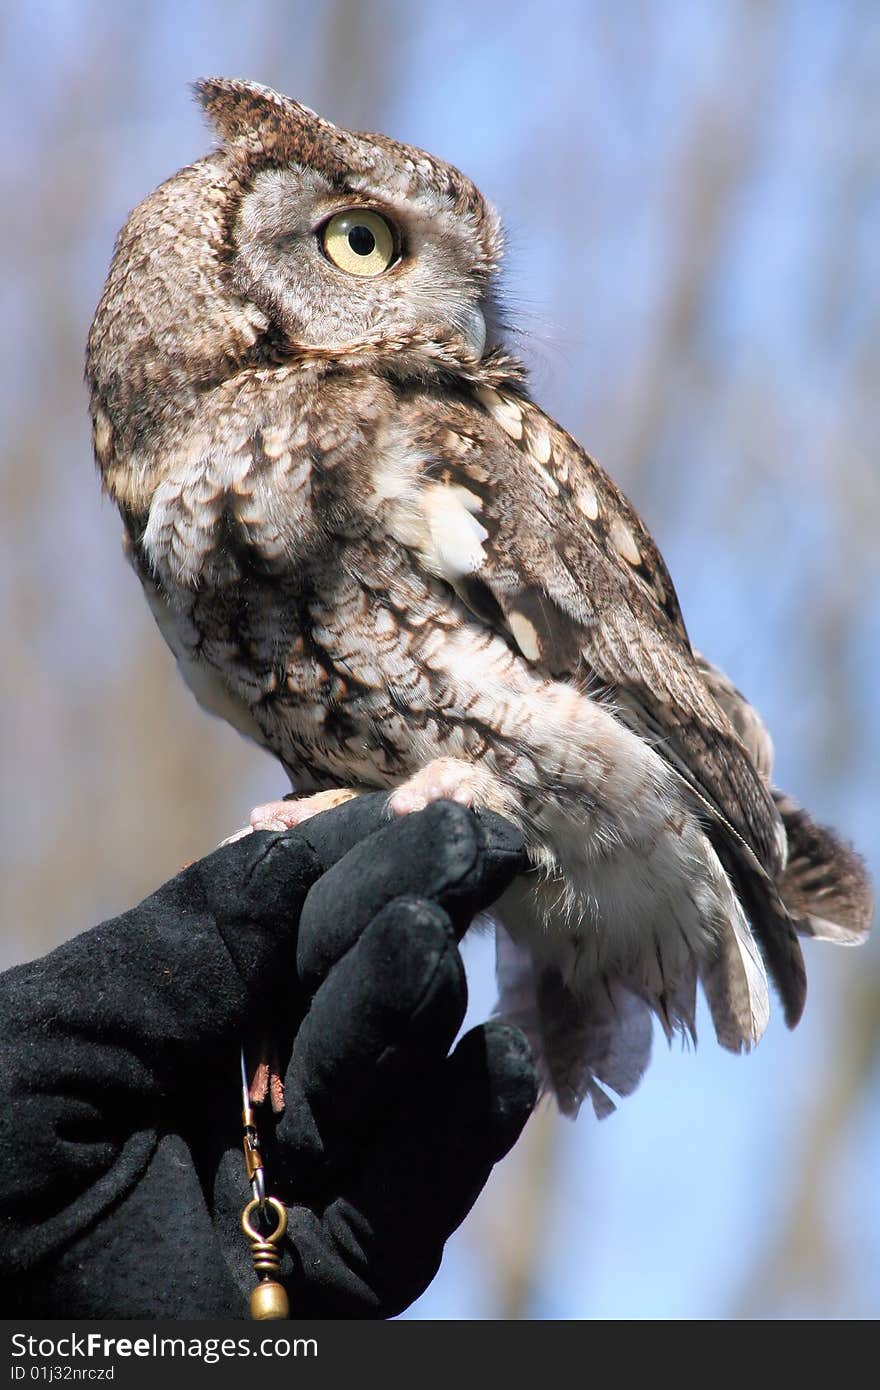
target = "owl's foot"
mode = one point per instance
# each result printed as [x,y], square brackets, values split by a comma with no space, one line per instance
[284,815]
[444,779]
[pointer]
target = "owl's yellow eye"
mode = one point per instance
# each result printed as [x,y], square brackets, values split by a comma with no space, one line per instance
[360,242]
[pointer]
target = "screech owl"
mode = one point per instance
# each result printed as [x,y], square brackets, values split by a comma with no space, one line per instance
[371,551]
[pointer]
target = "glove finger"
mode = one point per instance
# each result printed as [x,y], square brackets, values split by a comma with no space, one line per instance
[380,1245]
[331,834]
[388,1010]
[252,884]
[445,852]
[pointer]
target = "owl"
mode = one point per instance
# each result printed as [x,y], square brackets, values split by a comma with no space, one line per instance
[372,552]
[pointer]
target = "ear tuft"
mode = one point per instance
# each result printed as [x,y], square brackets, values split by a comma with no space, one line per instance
[242,110]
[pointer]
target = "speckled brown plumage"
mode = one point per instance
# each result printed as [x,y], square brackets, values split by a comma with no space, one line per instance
[371,551]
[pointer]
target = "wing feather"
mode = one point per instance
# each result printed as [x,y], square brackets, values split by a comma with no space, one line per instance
[579,587]
[572,579]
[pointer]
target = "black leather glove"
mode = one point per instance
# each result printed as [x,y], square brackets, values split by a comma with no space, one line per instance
[120,1075]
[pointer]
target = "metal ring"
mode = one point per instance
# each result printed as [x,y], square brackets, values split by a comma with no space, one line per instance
[280,1211]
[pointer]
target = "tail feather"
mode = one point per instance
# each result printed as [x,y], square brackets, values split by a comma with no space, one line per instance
[596,1037]
[824,887]
[735,986]
[825,884]
[772,925]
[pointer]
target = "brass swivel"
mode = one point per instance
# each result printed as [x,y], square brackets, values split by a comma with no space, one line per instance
[269,1299]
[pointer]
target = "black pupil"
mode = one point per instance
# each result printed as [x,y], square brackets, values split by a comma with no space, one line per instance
[361,241]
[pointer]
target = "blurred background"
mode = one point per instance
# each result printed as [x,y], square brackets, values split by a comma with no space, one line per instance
[692,194]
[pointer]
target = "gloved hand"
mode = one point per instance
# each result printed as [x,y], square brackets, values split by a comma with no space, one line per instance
[119,1075]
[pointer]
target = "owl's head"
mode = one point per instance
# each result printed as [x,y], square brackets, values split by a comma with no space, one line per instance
[295,237]
[341,238]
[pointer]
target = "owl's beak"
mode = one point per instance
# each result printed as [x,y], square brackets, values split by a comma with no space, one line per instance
[472,326]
